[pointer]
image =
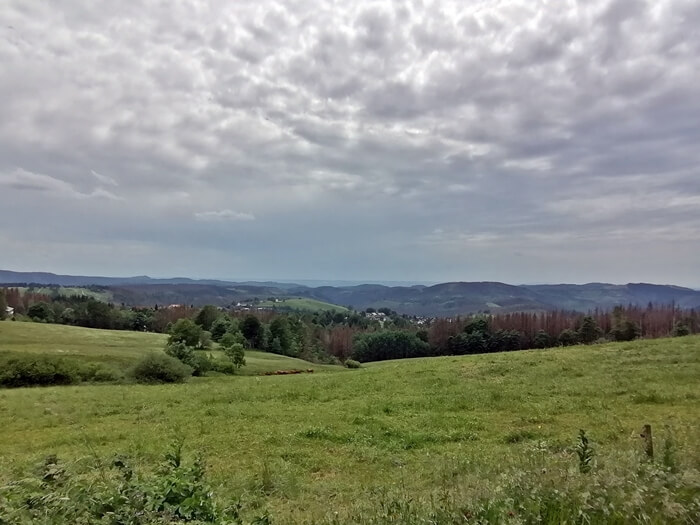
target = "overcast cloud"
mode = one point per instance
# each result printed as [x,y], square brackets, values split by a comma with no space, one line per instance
[519,141]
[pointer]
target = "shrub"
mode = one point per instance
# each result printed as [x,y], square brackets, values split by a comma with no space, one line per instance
[223,366]
[28,370]
[160,368]
[99,373]
[680,329]
[177,492]
[185,331]
[181,352]
[589,332]
[201,364]
[568,337]
[351,363]
[233,350]
[220,327]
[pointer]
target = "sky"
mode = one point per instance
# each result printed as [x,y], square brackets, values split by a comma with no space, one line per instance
[519,141]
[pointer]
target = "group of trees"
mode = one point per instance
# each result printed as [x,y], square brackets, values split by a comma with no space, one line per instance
[187,336]
[483,334]
[338,336]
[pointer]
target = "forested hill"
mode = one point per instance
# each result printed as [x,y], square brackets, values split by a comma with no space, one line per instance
[465,297]
[446,299]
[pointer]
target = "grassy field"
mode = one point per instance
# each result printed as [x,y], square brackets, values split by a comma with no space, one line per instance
[302,303]
[68,291]
[307,446]
[119,348]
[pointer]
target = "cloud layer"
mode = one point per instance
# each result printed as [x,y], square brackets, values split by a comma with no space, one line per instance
[522,141]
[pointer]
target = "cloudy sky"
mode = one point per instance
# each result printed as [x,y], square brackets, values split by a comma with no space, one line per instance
[518,141]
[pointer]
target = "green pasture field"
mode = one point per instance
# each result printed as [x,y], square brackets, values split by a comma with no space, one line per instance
[68,291]
[301,303]
[119,348]
[307,446]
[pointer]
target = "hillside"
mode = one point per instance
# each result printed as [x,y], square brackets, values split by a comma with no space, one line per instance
[445,299]
[120,349]
[432,429]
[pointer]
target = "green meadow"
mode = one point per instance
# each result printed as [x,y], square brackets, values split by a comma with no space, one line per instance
[303,303]
[338,443]
[118,348]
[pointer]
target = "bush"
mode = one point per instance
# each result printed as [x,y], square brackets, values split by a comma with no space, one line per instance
[223,366]
[28,370]
[177,492]
[680,329]
[99,373]
[201,364]
[351,363]
[568,337]
[160,368]
[185,331]
[233,350]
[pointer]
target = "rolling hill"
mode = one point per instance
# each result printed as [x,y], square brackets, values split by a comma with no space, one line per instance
[445,299]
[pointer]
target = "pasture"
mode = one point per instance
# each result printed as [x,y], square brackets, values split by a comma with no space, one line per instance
[118,348]
[303,303]
[307,446]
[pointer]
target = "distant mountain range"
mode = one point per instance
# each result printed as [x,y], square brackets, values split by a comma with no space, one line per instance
[446,299]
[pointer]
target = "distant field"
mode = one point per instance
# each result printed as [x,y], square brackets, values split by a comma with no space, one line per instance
[309,445]
[68,291]
[119,348]
[301,303]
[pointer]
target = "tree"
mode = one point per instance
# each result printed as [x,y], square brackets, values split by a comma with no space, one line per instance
[231,338]
[204,340]
[680,329]
[542,340]
[623,329]
[68,316]
[589,331]
[279,329]
[3,305]
[207,316]
[388,344]
[183,352]
[220,327]
[41,312]
[568,337]
[504,341]
[626,330]
[99,315]
[251,328]
[233,348]
[276,346]
[185,331]
[468,343]
[236,355]
[479,324]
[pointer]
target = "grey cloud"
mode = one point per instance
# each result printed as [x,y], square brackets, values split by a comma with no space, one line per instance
[351,132]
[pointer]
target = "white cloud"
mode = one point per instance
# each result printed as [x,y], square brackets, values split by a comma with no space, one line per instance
[224,215]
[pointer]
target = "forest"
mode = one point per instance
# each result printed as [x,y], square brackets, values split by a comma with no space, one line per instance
[331,337]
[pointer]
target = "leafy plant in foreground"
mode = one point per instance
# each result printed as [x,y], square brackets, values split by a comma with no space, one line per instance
[584,453]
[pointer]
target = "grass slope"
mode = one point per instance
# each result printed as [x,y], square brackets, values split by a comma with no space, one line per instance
[119,348]
[68,291]
[307,445]
[303,303]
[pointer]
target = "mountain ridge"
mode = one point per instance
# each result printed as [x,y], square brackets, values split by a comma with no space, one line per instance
[442,299]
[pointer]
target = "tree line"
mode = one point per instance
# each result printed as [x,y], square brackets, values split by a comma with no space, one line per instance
[338,336]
